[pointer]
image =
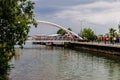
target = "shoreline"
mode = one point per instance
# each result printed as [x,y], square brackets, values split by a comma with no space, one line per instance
[112,49]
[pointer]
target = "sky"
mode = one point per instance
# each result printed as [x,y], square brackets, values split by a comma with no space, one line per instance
[99,15]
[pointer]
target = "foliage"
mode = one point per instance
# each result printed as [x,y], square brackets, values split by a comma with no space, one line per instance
[87,33]
[70,29]
[63,32]
[112,32]
[119,27]
[16,16]
[118,35]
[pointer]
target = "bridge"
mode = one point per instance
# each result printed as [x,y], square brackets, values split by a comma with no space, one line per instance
[59,26]
[50,42]
[58,40]
[55,39]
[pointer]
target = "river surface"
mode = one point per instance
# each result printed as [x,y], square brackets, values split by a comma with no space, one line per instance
[37,62]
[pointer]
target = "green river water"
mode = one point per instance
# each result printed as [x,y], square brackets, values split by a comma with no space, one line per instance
[37,62]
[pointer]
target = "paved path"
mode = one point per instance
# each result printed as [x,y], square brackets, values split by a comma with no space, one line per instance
[117,45]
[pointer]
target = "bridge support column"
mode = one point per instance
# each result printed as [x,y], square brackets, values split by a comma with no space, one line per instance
[49,43]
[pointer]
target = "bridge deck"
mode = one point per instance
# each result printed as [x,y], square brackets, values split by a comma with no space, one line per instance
[49,41]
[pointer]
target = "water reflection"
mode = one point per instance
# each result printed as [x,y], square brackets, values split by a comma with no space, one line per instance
[55,63]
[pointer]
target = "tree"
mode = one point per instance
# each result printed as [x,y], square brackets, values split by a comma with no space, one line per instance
[87,33]
[119,27]
[63,32]
[70,29]
[112,32]
[16,16]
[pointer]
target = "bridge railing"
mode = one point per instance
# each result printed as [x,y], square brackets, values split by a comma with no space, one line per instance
[58,38]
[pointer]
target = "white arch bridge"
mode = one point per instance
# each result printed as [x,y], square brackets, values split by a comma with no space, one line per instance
[58,26]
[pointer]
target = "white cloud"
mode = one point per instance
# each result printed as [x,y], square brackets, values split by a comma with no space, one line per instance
[98,12]
[99,16]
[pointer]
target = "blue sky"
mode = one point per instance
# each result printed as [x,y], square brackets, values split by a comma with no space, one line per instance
[100,15]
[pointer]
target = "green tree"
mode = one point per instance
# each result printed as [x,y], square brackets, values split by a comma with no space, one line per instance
[70,29]
[112,32]
[87,33]
[16,16]
[119,27]
[63,32]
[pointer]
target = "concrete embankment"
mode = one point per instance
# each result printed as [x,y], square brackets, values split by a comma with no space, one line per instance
[113,49]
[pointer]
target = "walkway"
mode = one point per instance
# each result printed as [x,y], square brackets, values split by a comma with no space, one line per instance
[99,44]
[113,49]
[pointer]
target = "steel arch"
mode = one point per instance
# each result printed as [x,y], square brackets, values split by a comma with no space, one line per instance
[58,26]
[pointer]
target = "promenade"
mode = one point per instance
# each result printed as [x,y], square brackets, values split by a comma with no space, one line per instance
[108,48]
[117,45]
[103,47]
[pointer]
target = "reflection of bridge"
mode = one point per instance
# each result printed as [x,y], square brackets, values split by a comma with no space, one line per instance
[58,26]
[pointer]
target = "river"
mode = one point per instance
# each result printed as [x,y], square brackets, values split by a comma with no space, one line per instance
[38,62]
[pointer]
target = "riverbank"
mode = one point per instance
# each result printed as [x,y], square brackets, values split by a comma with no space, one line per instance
[113,49]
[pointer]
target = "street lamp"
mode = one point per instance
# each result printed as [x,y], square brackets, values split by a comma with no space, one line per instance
[81,22]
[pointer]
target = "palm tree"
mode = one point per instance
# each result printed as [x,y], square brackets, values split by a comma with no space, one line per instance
[112,33]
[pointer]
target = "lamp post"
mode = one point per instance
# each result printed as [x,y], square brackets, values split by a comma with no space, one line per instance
[81,22]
